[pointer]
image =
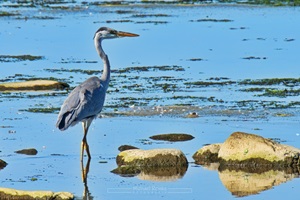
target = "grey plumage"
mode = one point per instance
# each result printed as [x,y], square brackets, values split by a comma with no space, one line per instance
[86,100]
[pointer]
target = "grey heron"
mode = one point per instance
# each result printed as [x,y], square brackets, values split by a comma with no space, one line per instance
[86,100]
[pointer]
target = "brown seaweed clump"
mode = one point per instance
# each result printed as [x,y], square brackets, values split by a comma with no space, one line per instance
[173,137]
[30,152]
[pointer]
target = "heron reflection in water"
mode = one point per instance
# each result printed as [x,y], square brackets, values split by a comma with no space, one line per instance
[86,100]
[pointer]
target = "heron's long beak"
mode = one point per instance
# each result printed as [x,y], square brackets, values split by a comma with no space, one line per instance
[126,34]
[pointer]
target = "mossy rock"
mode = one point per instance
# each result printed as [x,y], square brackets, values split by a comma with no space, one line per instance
[173,137]
[30,151]
[207,154]
[127,171]
[126,147]
[241,146]
[250,153]
[152,158]
[33,85]
[8,193]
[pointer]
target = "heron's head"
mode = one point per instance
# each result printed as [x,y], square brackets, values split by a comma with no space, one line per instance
[108,33]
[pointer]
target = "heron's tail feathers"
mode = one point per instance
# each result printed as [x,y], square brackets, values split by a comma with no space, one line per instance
[65,120]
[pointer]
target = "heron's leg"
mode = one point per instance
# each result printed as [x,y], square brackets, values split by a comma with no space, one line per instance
[84,145]
[84,173]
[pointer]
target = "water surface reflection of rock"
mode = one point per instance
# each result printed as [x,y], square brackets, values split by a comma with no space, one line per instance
[249,164]
[241,183]
[160,174]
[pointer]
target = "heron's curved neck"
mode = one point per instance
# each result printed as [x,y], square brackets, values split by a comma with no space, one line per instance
[105,77]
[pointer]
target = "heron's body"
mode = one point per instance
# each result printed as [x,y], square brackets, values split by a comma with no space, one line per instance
[86,100]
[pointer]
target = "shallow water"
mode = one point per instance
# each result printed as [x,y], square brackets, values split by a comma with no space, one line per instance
[221,45]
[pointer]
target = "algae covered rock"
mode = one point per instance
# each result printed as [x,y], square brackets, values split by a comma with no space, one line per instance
[154,157]
[207,154]
[155,165]
[126,147]
[8,193]
[173,137]
[249,152]
[33,85]
[244,146]
[30,151]
[249,164]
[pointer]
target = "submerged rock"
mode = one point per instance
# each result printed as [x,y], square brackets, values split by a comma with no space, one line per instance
[249,152]
[173,137]
[152,158]
[7,193]
[126,147]
[33,85]
[2,164]
[30,152]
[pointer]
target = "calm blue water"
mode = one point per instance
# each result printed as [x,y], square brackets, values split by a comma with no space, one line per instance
[264,32]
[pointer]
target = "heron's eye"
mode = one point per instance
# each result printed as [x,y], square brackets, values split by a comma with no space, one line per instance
[114,32]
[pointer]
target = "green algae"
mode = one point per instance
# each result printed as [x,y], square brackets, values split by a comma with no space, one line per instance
[8,14]
[119,21]
[264,2]
[82,71]
[212,20]
[41,110]
[18,58]
[209,83]
[150,15]
[151,22]
[281,93]
[254,58]
[272,81]
[195,59]
[149,68]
